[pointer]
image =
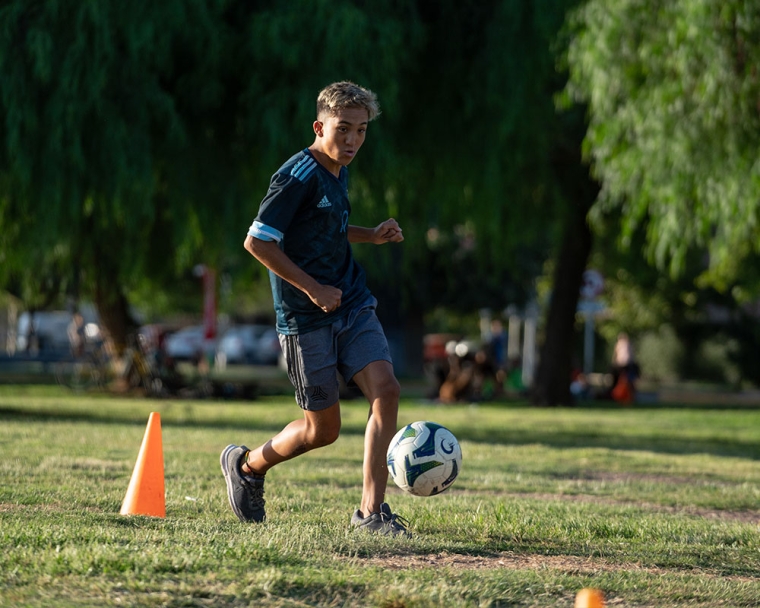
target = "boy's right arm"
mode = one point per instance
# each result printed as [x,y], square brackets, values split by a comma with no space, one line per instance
[269,253]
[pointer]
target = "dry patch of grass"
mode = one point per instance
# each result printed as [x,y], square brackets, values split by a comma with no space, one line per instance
[567,564]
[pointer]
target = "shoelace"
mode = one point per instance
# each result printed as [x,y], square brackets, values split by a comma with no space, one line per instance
[255,494]
[395,521]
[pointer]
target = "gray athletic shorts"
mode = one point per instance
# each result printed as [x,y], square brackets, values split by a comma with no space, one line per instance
[347,346]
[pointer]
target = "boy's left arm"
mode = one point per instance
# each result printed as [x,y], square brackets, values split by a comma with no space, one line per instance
[387,232]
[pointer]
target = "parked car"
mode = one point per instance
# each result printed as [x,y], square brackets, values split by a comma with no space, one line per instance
[251,343]
[46,332]
[185,344]
[269,350]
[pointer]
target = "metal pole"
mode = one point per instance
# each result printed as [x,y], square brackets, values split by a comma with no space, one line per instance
[529,344]
[588,343]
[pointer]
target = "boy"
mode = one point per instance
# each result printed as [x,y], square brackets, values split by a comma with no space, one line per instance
[325,313]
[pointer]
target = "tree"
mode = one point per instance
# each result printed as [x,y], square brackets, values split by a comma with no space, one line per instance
[672,90]
[93,130]
[485,207]
[552,382]
[682,328]
[139,139]
[134,135]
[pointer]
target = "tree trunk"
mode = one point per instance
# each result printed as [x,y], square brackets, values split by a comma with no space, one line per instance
[552,384]
[113,311]
[111,302]
[552,381]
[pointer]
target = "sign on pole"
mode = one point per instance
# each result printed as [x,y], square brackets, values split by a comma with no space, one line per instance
[591,288]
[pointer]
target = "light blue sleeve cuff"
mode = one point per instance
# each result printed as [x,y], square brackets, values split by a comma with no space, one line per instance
[264,232]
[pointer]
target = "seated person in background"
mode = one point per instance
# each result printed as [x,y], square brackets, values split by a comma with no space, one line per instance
[625,371]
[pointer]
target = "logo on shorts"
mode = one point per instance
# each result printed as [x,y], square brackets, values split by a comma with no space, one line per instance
[317,394]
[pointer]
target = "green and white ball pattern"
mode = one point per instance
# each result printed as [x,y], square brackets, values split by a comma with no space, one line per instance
[424,458]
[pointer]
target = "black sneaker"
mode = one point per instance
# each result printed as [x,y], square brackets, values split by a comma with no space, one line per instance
[246,494]
[384,522]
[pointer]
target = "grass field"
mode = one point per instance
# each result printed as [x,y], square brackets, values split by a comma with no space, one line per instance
[656,506]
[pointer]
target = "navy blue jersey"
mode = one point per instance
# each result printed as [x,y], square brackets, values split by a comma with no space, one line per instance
[306,211]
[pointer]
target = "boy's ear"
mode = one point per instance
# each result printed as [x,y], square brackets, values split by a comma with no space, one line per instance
[319,128]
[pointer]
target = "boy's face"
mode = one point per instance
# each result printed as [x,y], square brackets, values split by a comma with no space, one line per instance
[340,136]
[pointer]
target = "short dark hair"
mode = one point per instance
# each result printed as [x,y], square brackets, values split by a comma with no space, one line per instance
[341,95]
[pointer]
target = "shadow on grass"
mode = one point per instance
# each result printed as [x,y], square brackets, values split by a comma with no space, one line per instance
[614,441]
[552,437]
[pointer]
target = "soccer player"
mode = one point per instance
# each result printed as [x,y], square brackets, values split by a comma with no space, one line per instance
[325,313]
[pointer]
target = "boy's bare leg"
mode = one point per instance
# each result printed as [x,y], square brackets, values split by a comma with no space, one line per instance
[380,387]
[314,430]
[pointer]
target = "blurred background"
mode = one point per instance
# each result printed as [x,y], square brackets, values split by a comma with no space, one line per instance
[570,177]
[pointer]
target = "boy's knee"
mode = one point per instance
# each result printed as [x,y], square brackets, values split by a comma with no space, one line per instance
[378,383]
[390,389]
[324,435]
[331,435]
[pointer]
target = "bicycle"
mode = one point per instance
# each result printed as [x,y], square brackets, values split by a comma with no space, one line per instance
[88,370]
[140,373]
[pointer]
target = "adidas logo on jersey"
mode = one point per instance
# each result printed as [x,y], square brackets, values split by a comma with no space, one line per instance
[324,203]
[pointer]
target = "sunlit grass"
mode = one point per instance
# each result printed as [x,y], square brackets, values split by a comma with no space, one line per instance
[658,507]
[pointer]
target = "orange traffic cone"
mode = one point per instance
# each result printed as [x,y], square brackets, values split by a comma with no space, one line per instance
[589,597]
[145,495]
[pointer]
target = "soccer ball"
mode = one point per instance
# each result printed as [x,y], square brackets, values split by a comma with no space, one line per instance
[424,458]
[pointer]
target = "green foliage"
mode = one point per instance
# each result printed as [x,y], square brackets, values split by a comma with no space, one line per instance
[95,122]
[473,151]
[673,134]
[137,140]
[683,329]
[660,355]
